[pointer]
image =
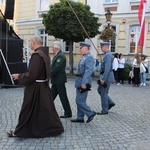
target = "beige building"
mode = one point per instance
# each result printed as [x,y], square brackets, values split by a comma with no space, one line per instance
[28,22]
[125,22]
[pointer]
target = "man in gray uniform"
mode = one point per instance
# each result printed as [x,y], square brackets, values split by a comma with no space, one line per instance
[83,84]
[106,78]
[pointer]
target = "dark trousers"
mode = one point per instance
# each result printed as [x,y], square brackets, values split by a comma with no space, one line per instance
[60,89]
[136,76]
[116,75]
[121,75]
[131,80]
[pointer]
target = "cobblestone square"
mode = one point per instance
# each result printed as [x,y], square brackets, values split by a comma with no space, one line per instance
[126,127]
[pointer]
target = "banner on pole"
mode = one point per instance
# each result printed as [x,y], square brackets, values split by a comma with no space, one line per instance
[141,17]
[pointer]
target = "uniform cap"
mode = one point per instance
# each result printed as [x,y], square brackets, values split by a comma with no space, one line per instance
[84,44]
[102,43]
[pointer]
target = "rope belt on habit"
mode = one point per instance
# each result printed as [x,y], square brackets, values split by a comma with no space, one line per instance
[41,81]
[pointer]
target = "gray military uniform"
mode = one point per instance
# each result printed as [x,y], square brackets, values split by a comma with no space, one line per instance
[108,77]
[85,70]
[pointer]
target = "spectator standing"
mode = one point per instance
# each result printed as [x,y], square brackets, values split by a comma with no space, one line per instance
[121,68]
[144,63]
[58,79]
[136,69]
[115,68]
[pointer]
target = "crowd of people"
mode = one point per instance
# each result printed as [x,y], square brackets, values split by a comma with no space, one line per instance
[38,116]
[137,74]
[140,68]
[118,68]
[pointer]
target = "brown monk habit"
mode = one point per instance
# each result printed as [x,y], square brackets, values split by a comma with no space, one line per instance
[38,116]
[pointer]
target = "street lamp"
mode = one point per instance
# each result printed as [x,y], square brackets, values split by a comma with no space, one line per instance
[85,2]
[108,16]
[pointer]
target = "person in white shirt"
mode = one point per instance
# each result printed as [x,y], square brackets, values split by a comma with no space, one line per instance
[121,61]
[115,68]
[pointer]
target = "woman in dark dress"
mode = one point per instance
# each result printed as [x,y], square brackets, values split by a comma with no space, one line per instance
[136,70]
[38,116]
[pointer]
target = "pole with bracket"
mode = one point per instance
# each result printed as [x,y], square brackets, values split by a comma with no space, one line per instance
[7,67]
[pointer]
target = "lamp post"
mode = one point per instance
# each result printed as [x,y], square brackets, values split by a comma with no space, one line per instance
[108,16]
[85,2]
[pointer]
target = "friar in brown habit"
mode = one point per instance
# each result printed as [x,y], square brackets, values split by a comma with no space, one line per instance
[38,117]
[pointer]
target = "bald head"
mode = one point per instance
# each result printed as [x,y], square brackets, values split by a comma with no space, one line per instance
[37,39]
[36,42]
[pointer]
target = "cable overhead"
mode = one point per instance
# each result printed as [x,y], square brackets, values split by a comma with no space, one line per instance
[81,25]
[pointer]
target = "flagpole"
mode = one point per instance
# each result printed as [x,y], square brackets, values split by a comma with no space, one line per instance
[141,17]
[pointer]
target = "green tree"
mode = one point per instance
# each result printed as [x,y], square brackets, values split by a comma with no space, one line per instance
[61,23]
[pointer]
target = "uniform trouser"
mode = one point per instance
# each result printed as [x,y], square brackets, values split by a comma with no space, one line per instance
[60,89]
[82,107]
[105,99]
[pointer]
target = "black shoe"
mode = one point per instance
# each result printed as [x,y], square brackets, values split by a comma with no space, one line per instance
[66,116]
[77,120]
[91,117]
[110,106]
[102,113]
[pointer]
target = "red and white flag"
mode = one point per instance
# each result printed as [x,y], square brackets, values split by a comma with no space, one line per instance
[141,16]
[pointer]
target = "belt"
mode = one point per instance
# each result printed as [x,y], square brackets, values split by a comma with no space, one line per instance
[79,75]
[40,81]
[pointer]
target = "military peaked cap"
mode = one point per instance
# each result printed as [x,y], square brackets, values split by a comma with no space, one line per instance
[102,43]
[84,44]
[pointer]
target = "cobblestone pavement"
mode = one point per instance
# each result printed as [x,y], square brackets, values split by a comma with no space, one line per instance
[126,127]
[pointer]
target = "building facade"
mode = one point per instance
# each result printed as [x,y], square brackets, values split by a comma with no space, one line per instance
[28,22]
[125,23]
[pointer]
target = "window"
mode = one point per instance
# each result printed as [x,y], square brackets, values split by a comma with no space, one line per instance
[65,46]
[134,36]
[111,1]
[1,2]
[44,5]
[44,36]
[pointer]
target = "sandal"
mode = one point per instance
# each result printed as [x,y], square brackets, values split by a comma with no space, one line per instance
[10,133]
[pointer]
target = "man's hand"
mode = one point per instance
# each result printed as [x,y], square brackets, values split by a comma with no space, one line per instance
[15,76]
[102,82]
[83,86]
